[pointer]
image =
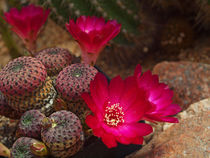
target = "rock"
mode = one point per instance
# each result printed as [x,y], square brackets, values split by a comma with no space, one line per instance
[189,138]
[190,81]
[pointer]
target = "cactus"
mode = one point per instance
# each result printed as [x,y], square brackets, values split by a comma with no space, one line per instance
[54,59]
[25,147]
[25,84]
[30,124]
[62,133]
[72,82]
[6,110]
[124,11]
[22,75]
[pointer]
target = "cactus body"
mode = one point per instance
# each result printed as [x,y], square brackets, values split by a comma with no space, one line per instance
[25,147]
[6,110]
[54,59]
[25,84]
[72,82]
[62,133]
[30,124]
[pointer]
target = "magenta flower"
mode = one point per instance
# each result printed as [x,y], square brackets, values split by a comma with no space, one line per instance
[92,34]
[116,111]
[158,95]
[26,23]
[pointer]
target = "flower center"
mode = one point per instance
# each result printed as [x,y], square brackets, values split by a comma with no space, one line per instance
[114,115]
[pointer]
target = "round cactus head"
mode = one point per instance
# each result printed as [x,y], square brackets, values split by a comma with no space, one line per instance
[26,147]
[6,110]
[30,124]
[74,80]
[41,98]
[54,59]
[22,76]
[61,132]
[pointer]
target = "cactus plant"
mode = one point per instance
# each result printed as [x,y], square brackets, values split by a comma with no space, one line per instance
[22,76]
[54,59]
[72,82]
[62,133]
[25,84]
[6,110]
[124,11]
[30,124]
[25,147]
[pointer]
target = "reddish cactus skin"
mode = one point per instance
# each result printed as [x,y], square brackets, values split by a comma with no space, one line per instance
[63,134]
[22,76]
[6,110]
[24,148]
[39,98]
[54,59]
[71,83]
[30,124]
[74,80]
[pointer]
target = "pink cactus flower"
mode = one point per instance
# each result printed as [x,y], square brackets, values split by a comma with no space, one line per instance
[26,23]
[116,111]
[158,95]
[92,34]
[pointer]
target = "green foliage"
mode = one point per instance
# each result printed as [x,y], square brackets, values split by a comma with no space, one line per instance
[124,11]
[7,37]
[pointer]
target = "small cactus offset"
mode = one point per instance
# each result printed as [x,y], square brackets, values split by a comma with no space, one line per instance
[30,124]
[62,133]
[28,147]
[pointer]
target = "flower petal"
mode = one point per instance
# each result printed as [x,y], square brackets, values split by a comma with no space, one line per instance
[99,90]
[136,111]
[116,87]
[138,140]
[161,118]
[170,110]
[92,122]
[137,71]
[89,101]
[130,93]
[141,129]
[109,140]
[98,132]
